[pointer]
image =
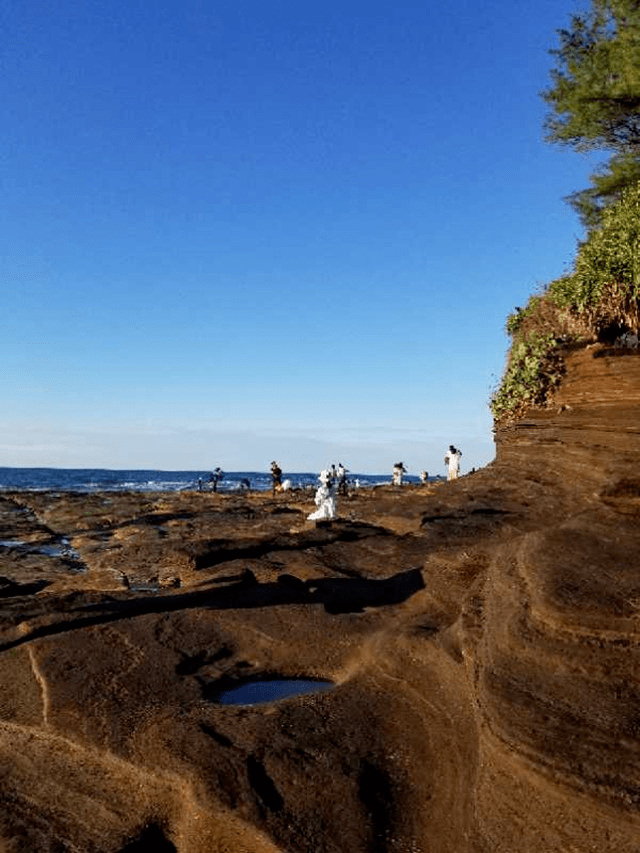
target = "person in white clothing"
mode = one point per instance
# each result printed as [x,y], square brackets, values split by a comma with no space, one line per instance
[325,498]
[398,471]
[452,460]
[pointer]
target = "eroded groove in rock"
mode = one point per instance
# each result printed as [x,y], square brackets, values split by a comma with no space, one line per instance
[376,794]
[151,840]
[263,785]
[191,664]
[212,733]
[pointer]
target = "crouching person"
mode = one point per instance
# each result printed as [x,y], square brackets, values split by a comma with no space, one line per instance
[325,499]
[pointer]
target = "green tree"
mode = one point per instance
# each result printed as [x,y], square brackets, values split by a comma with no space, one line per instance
[594,99]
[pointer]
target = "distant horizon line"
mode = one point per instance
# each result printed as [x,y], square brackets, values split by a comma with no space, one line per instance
[173,470]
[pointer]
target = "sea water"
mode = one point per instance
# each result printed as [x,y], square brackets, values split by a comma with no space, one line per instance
[106,480]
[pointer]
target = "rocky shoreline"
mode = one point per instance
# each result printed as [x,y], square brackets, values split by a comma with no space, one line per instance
[481,640]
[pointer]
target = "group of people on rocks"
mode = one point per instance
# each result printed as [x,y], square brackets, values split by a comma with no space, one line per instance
[333,482]
[451,460]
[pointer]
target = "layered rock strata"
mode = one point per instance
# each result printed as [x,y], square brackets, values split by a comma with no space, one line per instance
[481,638]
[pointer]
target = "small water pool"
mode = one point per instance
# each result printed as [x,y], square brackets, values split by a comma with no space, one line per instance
[60,549]
[255,691]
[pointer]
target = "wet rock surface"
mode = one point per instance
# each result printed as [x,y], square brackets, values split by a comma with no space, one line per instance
[482,640]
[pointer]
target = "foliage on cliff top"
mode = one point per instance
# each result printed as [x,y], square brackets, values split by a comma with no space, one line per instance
[598,301]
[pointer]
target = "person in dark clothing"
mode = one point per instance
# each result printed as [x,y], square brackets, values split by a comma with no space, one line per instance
[276,474]
[215,477]
[342,479]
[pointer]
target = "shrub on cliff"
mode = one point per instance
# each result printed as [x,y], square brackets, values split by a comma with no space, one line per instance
[598,300]
[605,285]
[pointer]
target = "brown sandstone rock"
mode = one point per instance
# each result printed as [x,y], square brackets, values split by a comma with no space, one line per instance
[482,638]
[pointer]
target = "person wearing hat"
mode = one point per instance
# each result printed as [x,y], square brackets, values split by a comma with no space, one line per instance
[325,498]
[276,474]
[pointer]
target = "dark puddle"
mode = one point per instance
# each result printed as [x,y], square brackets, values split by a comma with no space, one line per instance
[60,549]
[255,691]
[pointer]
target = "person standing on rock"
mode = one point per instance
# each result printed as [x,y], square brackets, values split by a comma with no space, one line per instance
[215,477]
[452,461]
[342,479]
[276,475]
[398,471]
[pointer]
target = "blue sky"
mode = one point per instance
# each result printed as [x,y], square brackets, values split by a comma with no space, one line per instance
[233,232]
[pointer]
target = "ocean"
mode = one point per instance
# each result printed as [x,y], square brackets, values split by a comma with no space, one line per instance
[105,480]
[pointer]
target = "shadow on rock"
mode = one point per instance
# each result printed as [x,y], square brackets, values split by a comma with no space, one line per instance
[337,595]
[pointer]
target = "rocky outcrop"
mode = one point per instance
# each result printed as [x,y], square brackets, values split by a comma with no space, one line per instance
[556,654]
[481,640]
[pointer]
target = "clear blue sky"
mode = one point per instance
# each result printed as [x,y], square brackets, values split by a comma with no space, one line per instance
[248,230]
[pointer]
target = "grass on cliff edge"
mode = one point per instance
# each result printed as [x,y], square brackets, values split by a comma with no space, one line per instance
[598,301]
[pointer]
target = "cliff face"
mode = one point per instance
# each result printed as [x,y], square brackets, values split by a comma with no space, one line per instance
[556,657]
[481,639]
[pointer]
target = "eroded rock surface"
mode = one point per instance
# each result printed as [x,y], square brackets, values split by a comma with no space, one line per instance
[482,638]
